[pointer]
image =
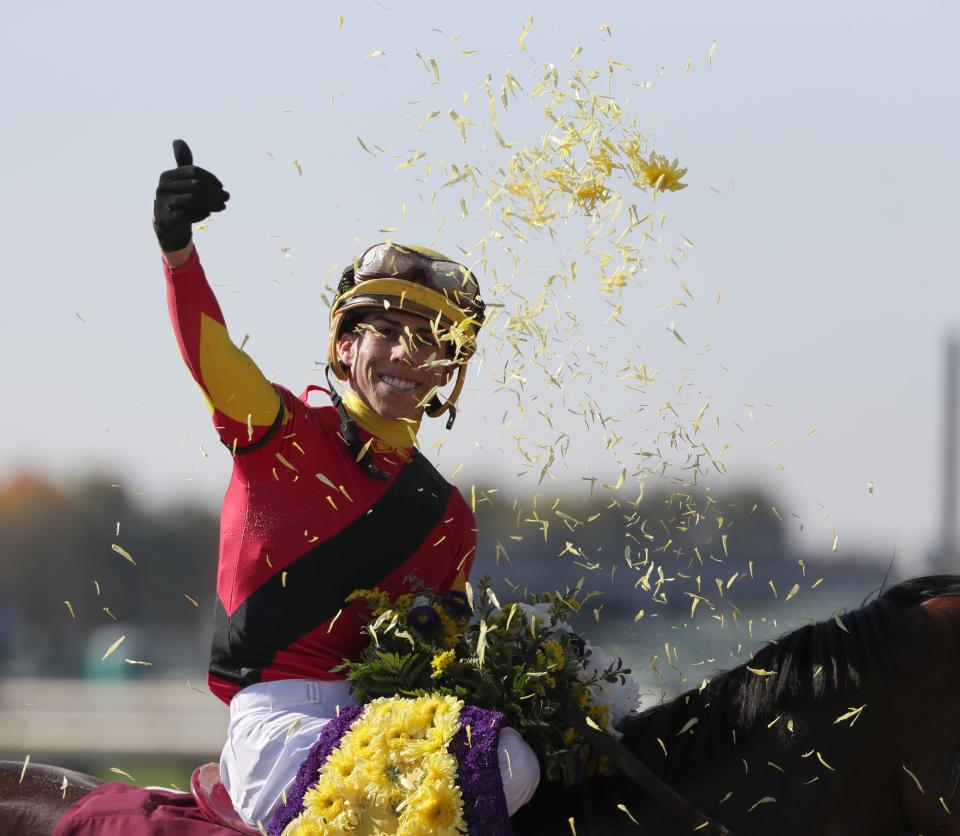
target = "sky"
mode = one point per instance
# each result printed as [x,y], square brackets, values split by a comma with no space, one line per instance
[818,286]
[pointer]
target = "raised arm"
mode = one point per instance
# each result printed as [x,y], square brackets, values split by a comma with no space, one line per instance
[244,405]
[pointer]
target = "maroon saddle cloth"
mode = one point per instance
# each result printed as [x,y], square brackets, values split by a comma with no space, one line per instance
[118,809]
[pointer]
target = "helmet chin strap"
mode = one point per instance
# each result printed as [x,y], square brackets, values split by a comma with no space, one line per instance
[436,407]
[348,429]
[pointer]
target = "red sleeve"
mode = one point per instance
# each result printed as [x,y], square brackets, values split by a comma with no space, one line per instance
[243,403]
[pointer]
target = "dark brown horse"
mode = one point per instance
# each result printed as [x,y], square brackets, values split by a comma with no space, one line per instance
[848,726]
[777,746]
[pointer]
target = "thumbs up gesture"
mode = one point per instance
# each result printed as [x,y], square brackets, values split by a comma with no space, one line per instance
[185,195]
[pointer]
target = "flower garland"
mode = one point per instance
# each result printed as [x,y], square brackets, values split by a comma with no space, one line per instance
[390,774]
[474,746]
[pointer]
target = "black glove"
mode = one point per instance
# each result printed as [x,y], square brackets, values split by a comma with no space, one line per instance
[186,195]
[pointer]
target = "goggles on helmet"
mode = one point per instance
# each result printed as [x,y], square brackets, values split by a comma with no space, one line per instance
[424,267]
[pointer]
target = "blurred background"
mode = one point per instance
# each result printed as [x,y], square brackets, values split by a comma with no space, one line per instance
[758,429]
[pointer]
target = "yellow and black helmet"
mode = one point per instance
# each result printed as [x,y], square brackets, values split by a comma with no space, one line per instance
[415,280]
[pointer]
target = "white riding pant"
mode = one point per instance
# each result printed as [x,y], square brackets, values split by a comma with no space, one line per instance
[273,725]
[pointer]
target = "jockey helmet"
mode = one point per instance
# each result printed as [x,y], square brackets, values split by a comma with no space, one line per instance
[415,280]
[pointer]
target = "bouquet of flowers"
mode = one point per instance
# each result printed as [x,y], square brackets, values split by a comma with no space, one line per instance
[519,658]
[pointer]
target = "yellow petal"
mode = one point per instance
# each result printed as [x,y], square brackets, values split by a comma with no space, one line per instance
[123,553]
[112,647]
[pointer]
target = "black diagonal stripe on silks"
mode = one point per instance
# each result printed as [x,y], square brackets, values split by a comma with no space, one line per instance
[358,557]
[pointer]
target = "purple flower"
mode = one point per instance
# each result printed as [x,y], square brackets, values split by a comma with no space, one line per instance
[456,602]
[423,618]
[577,643]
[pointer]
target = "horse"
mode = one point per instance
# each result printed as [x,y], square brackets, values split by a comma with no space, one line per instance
[33,798]
[844,727]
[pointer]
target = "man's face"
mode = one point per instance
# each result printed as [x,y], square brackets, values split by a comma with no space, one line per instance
[389,356]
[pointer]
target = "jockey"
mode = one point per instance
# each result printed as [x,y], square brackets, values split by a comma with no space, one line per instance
[322,500]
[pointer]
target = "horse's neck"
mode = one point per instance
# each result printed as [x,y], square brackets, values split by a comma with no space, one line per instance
[873,757]
[817,784]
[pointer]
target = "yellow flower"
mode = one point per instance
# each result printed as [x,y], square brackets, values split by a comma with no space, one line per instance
[450,629]
[362,595]
[325,802]
[600,714]
[419,719]
[375,779]
[660,174]
[341,765]
[590,194]
[403,603]
[394,742]
[361,741]
[440,662]
[434,808]
[439,766]
[413,751]
[581,696]
[304,825]
[382,713]
[551,654]
[443,713]
[444,704]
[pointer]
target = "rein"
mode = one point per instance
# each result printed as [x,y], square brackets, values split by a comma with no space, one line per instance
[641,775]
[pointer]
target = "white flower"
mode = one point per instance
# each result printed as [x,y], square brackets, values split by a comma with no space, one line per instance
[542,612]
[619,698]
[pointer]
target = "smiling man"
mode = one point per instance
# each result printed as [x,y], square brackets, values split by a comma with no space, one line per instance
[322,500]
[393,374]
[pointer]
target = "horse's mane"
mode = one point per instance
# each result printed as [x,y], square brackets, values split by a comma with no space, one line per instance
[811,662]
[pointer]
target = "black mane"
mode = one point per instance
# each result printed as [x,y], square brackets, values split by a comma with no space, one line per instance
[811,662]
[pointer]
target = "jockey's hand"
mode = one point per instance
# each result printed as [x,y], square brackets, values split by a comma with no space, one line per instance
[185,195]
